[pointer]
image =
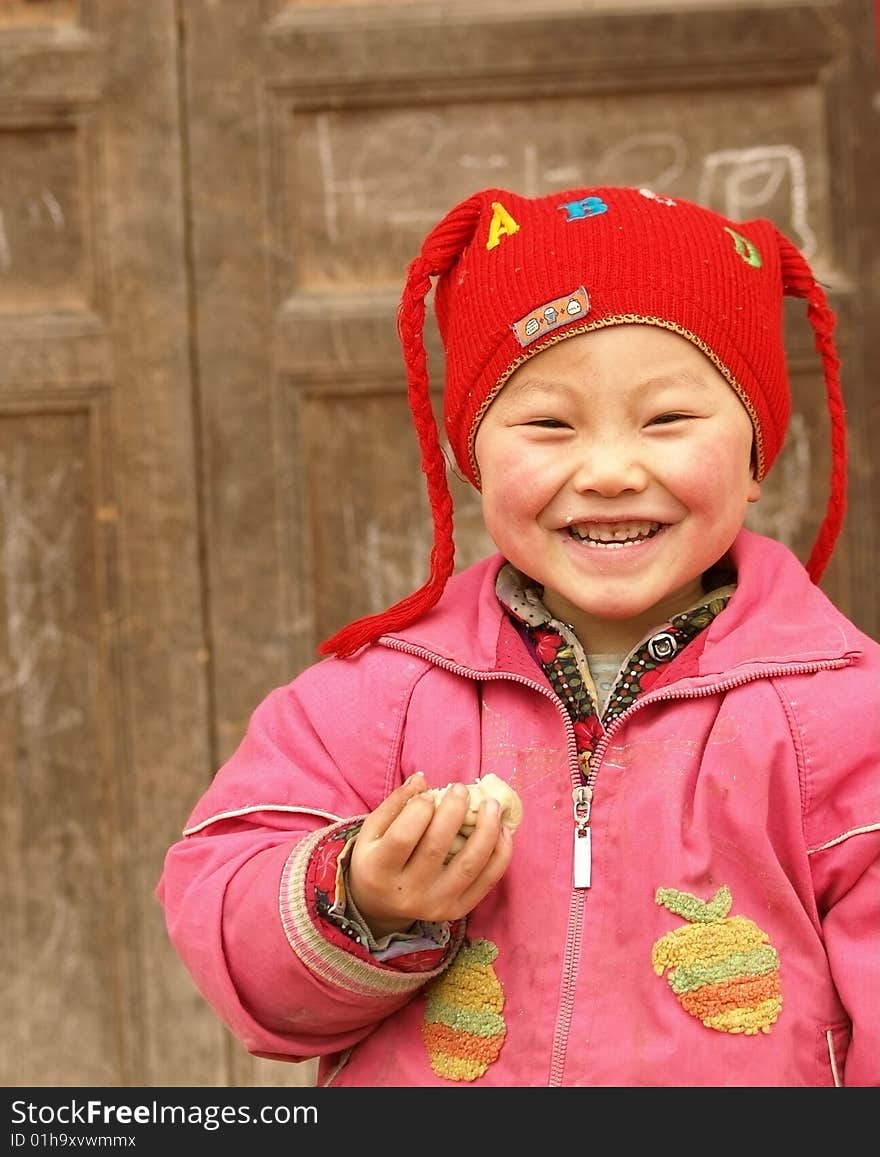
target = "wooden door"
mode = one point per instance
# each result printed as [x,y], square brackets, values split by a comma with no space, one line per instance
[104,724]
[206,464]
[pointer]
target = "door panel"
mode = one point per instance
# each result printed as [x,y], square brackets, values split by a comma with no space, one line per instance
[104,730]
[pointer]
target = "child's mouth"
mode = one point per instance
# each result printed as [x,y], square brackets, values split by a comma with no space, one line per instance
[615,535]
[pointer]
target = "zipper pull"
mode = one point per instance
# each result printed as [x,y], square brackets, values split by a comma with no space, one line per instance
[583,858]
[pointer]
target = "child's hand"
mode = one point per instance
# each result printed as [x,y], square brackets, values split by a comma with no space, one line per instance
[397,873]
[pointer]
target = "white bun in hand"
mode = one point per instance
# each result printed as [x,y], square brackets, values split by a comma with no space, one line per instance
[489,786]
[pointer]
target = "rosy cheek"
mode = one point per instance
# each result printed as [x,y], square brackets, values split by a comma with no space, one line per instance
[513,487]
[705,468]
[697,466]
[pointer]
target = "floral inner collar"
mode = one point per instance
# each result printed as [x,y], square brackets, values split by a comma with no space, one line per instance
[564,660]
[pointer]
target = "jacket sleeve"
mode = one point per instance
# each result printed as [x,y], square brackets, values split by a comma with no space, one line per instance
[841,760]
[240,890]
[849,875]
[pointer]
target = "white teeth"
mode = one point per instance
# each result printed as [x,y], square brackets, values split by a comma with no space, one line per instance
[615,534]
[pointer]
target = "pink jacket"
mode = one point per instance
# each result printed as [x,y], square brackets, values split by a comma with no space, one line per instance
[730,935]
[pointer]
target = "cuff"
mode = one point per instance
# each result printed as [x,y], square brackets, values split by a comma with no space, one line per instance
[333,947]
[421,936]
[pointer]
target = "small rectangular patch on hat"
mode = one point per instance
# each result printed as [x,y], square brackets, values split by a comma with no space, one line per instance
[551,316]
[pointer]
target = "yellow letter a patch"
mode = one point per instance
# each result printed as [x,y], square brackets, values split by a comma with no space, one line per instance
[502,223]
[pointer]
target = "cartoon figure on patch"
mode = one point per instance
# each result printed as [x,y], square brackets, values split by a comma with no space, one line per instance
[723,969]
[463,1028]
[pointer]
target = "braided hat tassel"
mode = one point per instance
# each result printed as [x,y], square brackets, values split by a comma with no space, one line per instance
[439,251]
[799,281]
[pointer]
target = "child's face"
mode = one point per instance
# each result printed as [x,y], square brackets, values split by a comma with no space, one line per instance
[615,469]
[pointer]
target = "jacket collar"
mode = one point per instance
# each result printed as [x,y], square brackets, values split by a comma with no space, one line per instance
[758,627]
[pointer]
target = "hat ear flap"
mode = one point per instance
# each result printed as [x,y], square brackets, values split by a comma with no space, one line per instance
[439,251]
[798,280]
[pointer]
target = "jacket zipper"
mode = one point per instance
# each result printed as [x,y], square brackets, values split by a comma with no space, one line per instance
[582,797]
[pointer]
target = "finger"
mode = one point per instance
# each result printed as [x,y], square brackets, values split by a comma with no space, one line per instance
[479,845]
[381,818]
[437,838]
[405,832]
[490,874]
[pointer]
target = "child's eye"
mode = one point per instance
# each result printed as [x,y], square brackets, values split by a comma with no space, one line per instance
[666,419]
[547,423]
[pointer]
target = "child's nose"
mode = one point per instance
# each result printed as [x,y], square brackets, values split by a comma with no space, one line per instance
[608,470]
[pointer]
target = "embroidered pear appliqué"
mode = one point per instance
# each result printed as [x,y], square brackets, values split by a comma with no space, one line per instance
[463,1028]
[723,969]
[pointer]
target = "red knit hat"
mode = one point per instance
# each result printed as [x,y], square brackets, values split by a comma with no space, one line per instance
[516,274]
